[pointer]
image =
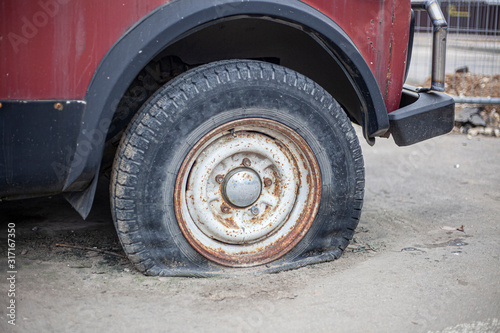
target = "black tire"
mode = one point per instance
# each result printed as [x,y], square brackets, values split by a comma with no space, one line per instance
[157,146]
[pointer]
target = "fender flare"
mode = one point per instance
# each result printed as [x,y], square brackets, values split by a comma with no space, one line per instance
[165,25]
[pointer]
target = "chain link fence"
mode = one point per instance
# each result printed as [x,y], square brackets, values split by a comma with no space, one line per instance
[473,50]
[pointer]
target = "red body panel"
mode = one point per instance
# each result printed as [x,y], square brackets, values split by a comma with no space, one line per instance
[51,48]
[380,30]
[51,51]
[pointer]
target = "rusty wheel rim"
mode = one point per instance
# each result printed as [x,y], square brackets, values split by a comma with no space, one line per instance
[247,192]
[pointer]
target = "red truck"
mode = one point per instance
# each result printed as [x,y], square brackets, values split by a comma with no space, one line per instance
[225,125]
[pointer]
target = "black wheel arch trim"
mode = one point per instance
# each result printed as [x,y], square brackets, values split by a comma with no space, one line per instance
[166,24]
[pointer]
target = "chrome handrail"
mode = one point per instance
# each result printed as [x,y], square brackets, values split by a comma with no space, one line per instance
[439,40]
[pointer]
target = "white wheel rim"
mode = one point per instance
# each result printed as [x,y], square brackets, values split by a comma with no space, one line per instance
[273,195]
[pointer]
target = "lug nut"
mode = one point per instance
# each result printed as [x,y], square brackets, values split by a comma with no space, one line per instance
[268,182]
[219,179]
[246,162]
[254,210]
[225,209]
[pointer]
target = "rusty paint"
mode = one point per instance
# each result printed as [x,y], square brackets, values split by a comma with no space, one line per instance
[58,106]
[246,162]
[229,223]
[277,189]
[283,244]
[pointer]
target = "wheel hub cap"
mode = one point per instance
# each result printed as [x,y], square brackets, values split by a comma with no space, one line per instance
[242,187]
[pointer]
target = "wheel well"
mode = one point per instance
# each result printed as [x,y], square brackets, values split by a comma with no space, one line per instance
[183,34]
[240,37]
[273,41]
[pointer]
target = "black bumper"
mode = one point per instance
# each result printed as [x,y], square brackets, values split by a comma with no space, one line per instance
[421,116]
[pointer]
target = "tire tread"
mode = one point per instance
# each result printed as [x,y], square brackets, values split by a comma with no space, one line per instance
[145,126]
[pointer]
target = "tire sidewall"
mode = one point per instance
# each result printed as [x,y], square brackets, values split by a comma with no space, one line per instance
[194,104]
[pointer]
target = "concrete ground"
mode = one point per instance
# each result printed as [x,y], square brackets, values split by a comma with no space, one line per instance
[408,270]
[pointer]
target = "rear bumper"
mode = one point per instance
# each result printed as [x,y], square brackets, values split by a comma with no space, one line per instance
[421,116]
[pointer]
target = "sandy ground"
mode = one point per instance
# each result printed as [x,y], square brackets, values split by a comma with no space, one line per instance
[408,270]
